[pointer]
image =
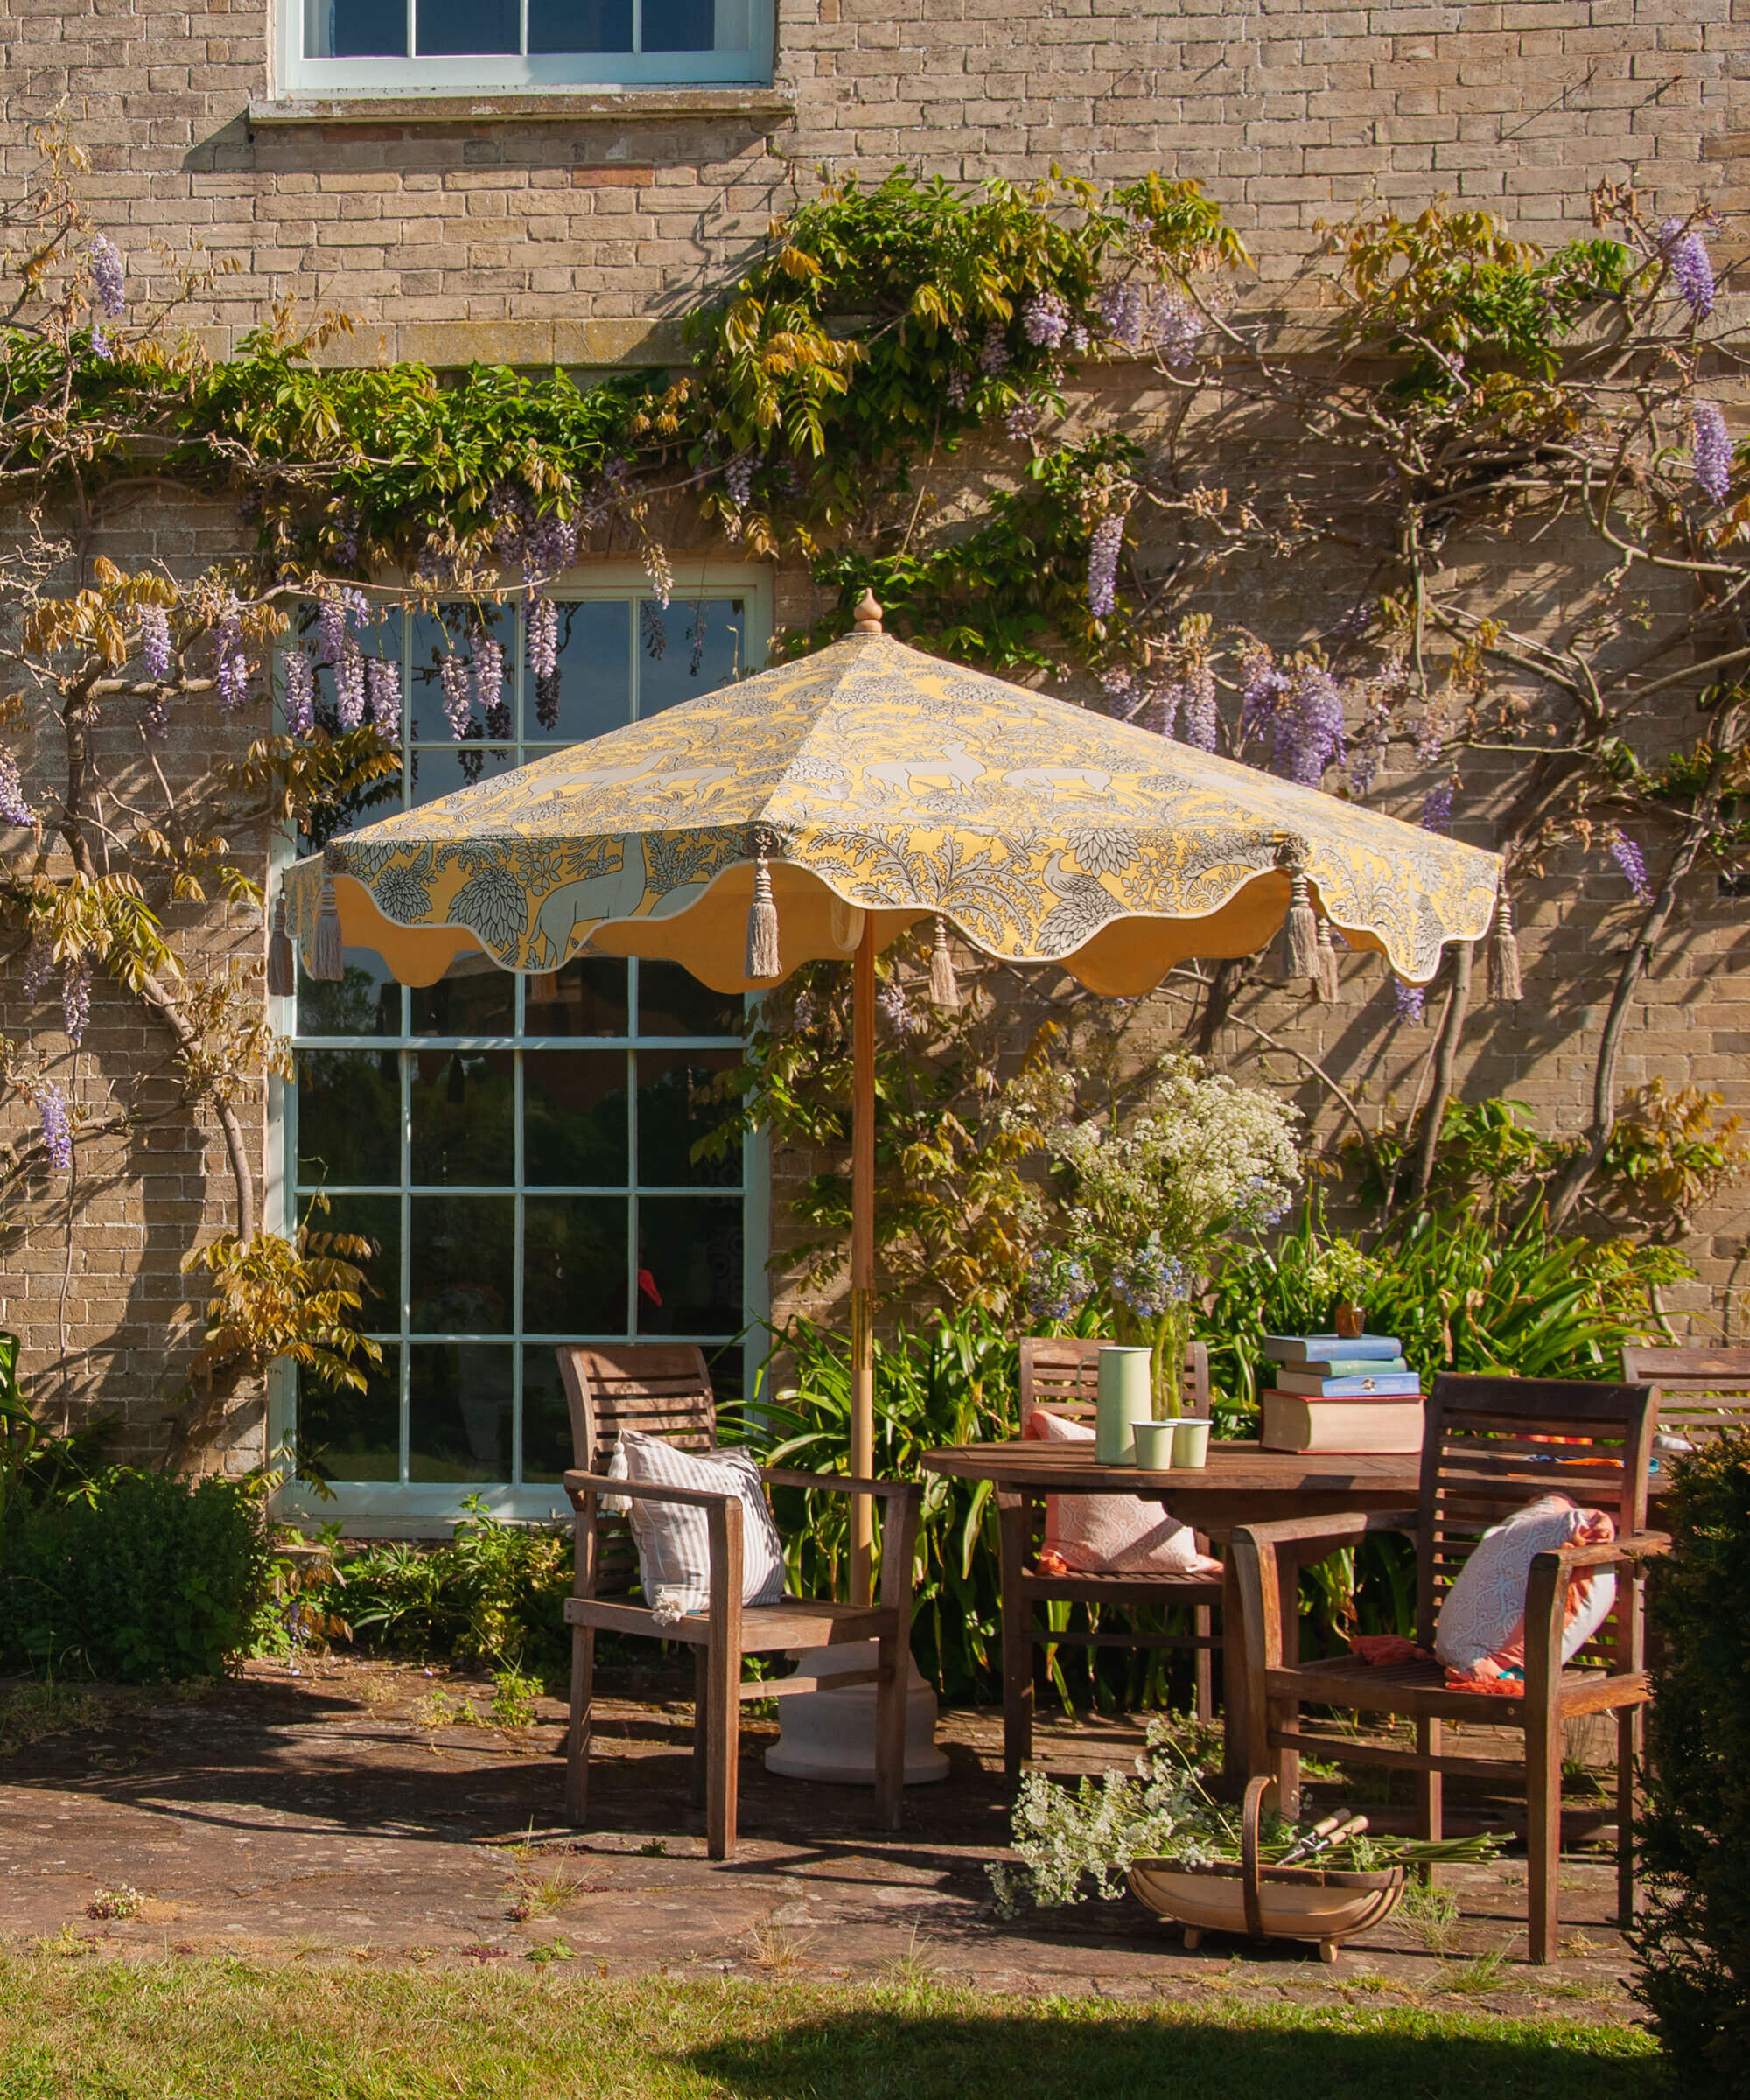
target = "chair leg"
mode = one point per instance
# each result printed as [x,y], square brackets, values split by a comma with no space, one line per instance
[1430,1788]
[1627,1754]
[701,1728]
[723,1710]
[577,1728]
[1543,1845]
[1015,1525]
[1285,1715]
[890,1733]
[1203,1624]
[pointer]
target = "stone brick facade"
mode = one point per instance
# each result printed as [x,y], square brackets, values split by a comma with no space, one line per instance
[577,228]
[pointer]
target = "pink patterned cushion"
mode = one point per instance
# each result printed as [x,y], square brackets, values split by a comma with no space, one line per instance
[1481,1633]
[1111,1534]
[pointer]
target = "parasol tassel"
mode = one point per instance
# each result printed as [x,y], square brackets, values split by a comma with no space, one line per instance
[1504,981]
[943,990]
[1330,983]
[282,962]
[762,924]
[1300,944]
[326,962]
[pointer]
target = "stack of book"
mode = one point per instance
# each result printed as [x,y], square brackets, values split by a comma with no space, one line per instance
[1335,1392]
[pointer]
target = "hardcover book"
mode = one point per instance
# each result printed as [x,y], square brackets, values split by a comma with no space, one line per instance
[1327,1349]
[1394,1382]
[1295,1421]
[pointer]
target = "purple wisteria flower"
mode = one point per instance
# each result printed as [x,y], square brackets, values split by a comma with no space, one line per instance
[552,547]
[1628,857]
[1200,719]
[1045,320]
[452,679]
[57,1126]
[300,694]
[1710,444]
[994,357]
[1369,744]
[1684,247]
[488,672]
[233,664]
[1437,807]
[14,809]
[155,641]
[955,389]
[1103,545]
[1022,420]
[39,968]
[738,478]
[349,685]
[890,1003]
[1411,1002]
[75,1001]
[1151,317]
[110,273]
[1302,715]
[382,679]
[101,346]
[543,638]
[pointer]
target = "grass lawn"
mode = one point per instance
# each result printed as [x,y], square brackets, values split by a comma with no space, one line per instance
[199,2030]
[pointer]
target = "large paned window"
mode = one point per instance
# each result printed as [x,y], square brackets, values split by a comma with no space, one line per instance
[468,45]
[519,1148]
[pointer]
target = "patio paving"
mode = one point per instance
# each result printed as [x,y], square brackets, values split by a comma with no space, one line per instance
[346,1813]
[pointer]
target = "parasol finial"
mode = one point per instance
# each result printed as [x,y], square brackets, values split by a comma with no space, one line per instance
[868,620]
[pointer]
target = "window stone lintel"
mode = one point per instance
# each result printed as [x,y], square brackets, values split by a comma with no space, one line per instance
[765,107]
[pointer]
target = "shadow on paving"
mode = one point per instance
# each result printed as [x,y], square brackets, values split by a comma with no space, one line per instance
[875,2053]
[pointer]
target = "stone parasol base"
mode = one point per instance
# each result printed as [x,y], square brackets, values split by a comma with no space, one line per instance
[830,1735]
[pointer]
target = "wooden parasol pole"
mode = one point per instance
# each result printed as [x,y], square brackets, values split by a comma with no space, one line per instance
[862,1260]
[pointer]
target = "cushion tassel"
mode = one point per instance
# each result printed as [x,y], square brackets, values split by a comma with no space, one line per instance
[943,989]
[762,926]
[1504,981]
[282,963]
[1300,948]
[326,962]
[1330,983]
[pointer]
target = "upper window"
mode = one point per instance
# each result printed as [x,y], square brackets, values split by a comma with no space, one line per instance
[452,45]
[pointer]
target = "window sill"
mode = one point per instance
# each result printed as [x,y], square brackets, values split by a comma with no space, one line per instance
[765,107]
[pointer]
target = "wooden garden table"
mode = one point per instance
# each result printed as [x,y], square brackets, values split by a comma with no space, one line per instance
[1241,1485]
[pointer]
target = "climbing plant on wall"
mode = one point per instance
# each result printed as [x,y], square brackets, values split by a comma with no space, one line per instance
[895,344]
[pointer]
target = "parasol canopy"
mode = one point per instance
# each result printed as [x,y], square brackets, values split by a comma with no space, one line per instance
[870,778]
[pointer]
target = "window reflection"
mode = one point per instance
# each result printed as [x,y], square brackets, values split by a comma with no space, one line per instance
[460,1424]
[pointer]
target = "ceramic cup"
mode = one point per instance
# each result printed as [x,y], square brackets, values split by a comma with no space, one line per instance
[1191,1443]
[1154,1445]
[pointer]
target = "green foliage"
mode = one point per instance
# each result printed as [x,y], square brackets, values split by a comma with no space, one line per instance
[493,1596]
[140,1577]
[1693,1936]
[1464,1294]
[955,1381]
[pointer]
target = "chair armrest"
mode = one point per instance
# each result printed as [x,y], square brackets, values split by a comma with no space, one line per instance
[836,1483]
[1334,1531]
[1546,1595]
[579,1484]
[1637,1545]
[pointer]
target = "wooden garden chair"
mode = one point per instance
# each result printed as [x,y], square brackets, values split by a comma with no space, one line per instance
[1062,1373]
[1486,1454]
[1701,1391]
[664,1389]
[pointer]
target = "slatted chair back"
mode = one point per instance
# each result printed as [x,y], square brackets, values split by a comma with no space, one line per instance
[1062,1372]
[1701,1391]
[1492,1445]
[663,1388]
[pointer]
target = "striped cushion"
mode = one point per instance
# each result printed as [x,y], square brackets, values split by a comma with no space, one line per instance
[674,1538]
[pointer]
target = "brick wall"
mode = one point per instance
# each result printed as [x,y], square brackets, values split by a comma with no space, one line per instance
[581,236]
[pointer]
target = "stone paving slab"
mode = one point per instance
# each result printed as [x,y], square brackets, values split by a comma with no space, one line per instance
[347,1812]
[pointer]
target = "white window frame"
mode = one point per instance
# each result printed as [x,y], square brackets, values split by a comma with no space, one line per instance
[504,73]
[415,1510]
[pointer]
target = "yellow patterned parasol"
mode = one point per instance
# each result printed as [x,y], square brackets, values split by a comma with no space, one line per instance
[821,807]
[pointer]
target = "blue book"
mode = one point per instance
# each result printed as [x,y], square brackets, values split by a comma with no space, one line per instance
[1396,1384]
[1321,1349]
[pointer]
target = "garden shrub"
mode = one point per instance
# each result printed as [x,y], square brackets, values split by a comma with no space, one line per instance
[1693,1938]
[137,1577]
